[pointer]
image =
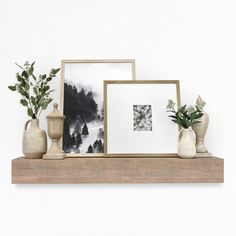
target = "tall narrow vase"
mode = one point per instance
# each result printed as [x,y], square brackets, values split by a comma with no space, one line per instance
[34,140]
[200,129]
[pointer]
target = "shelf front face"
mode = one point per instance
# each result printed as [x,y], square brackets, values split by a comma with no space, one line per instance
[117,170]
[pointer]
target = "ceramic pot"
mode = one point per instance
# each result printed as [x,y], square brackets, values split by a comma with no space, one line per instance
[34,140]
[200,130]
[186,145]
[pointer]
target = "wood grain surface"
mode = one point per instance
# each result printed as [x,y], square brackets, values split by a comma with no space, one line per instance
[117,170]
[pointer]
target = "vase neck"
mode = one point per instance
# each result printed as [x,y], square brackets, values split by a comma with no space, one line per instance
[34,123]
[187,129]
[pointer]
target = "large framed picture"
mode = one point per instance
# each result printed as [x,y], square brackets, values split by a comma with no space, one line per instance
[82,102]
[136,121]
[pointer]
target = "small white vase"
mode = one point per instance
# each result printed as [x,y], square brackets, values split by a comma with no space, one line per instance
[34,140]
[200,130]
[186,145]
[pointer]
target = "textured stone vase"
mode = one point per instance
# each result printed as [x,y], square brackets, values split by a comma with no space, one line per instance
[186,145]
[200,129]
[34,140]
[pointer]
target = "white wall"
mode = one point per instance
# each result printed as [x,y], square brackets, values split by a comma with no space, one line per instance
[187,40]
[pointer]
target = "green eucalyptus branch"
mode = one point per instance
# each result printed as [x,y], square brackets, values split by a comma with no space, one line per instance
[35,91]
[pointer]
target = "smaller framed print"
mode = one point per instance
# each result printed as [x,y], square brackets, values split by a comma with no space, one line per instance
[135,119]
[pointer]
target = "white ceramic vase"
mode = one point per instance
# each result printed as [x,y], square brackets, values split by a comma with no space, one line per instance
[200,130]
[186,145]
[34,140]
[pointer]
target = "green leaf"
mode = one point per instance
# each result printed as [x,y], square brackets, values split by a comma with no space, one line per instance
[12,88]
[26,95]
[35,90]
[44,105]
[49,79]
[23,83]
[31,70]
[25,74]
[27,86]
[193,116]
[55,71]
[33,100]
[198,116]
[24,102]
[19,78]
[186,122]
[30,112]
[23,93]
[51,91]
[182,109]
[45,89]
[34,77]
[174,117]
[44,76]
[185,113]
[43,94]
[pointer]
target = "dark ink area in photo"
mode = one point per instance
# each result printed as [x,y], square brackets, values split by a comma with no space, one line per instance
[83,126]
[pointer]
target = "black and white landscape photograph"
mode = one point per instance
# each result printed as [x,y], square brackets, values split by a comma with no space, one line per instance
[83,103]
[142,115]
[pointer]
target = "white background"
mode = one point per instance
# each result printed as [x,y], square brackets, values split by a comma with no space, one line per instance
[121,137]
[191,41]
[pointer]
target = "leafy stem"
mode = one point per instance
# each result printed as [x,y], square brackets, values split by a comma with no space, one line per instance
[35,91]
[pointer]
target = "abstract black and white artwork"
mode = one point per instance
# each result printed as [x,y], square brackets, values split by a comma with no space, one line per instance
[142,116]
[83,102]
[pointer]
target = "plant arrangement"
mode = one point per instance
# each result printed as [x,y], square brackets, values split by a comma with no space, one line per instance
[185,116]
[35,91]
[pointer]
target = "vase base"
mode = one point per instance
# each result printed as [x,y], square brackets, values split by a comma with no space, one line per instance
[204,154]
[186,157]
[56,156]
[34,155]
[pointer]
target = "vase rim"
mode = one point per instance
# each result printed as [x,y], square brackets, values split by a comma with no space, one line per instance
[187,128]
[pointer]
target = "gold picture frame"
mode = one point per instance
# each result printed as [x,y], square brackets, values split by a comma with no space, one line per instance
[126,140]
[96,63]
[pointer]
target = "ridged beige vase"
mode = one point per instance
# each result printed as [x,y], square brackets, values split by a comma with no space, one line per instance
[34,140]
[55,132]
[186,145]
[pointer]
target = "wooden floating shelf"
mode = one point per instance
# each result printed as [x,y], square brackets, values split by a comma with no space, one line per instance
[117,170]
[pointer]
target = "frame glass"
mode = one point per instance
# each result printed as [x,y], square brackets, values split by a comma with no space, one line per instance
[82,102]
[136,121]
